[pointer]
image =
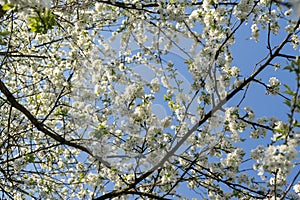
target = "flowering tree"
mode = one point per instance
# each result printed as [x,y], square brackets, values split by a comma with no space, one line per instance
[106,99]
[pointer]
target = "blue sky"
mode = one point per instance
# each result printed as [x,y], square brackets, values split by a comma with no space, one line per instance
[246,53]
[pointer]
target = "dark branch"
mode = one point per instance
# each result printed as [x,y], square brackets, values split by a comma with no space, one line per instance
[11,99]
[10,54]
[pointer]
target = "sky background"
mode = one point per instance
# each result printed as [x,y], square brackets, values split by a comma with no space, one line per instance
[246,53]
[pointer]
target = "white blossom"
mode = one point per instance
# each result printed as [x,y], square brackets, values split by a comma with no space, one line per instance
[243,9]
[273,86]
[296,188]
[83,84]
[255,32]
[155,85]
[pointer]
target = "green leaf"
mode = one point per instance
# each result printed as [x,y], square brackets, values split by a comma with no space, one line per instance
[2,42]
[290,68]
[279,137]
[50,188]
[167,97]
[29,158]
[81,176]
[102,129]
[4,33]
[288,103]
[61,111]
[42,21]
[188,61]
[287,86]
[7,6]
[288,90]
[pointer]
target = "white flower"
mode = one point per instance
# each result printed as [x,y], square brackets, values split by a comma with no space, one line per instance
[235,71]
[297,188]
[194,15]
[257,153]
[165,82]
[155,86]
[98,89]
[233,159]
[279,125]
[98,7]
[295,41]
[133,91]
[122,67]
[288,12]
[243,8]
[140,112]
[237,83]
[231,113]
[255,32]
[56,72]
[166,122]
[250,113]
[274,82]
[273,87]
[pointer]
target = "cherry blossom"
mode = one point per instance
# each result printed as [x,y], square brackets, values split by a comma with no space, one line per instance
[145,99]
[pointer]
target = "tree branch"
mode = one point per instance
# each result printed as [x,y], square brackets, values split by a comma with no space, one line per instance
[10,54]
[11,99]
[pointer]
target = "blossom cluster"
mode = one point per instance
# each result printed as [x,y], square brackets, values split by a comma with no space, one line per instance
[85,122]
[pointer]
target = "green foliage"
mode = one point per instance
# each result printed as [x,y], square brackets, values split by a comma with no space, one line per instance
[62,112]
[3,34]
[102,129]
[294,101]
[206,98]
[294,67]
[30,158]
[43,21]
[167,97]
[7,6]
